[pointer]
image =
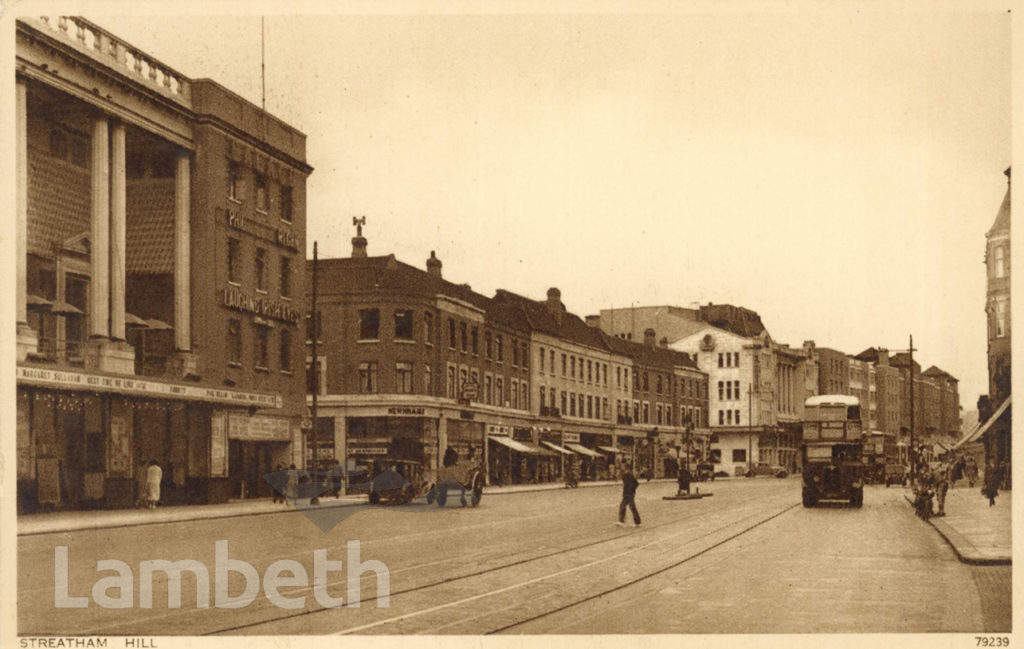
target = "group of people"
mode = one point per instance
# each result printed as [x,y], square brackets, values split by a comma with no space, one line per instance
[933,484]
[298,483]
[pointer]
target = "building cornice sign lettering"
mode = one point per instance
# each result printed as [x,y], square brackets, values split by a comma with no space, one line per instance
[405,411]
[235,299]
[283,237]
[134,386]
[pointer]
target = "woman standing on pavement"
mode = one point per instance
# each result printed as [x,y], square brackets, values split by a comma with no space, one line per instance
[154,475]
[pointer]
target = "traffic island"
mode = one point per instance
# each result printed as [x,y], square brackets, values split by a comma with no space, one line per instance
[688,496]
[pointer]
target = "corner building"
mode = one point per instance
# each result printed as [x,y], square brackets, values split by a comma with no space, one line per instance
[160,233]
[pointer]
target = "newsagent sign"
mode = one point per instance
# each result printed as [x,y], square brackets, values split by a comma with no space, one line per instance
[143,387]
[235,299]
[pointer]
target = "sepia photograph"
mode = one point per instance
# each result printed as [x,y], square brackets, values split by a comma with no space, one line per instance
[585,322]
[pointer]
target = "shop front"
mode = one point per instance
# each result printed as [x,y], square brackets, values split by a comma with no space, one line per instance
[84,439]
[257,446]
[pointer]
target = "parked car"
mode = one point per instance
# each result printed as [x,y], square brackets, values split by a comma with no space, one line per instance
[763,468]
[704,472]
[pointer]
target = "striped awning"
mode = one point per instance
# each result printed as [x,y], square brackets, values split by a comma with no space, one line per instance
[981,429]
[556,447]
[583,450]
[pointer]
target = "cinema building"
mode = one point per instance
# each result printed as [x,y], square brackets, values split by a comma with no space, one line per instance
[160,242]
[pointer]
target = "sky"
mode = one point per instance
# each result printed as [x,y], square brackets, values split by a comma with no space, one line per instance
[834,170]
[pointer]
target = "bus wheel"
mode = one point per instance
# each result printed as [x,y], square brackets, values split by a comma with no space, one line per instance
[857,499]
[431,495]
[809,499]
[442,496]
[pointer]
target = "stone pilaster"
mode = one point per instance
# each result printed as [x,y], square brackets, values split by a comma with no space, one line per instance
[118,208]
[27,339]
[182,251]
[99,289]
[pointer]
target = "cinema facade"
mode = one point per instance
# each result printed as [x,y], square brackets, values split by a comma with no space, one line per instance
[160,242]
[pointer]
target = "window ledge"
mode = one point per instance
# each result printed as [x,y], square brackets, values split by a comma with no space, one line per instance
[261,291]
[403,341]
[367,341]
[234,283]
[262,211]
[236,201]
[234,364]
[284,220]
[288,372]
[286,297]
[264,370]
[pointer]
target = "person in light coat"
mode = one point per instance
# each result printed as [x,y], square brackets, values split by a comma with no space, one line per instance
[154,475]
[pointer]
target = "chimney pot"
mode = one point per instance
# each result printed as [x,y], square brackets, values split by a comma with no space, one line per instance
[649,337]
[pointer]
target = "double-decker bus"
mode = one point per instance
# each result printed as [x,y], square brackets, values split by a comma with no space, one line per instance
[880,455]
[832,450]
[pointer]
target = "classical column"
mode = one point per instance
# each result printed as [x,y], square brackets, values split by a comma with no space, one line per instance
[182,261]
[99,290]
[118,208]
[21,209]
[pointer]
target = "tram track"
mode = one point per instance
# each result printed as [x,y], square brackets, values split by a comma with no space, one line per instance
[123,627]
[743,520]
[456,578]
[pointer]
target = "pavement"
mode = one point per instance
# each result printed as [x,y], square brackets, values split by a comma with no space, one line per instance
[70,521]
[979,534]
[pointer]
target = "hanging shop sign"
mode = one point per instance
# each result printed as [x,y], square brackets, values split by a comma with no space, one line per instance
[144,387]
[258,428]
[278,310]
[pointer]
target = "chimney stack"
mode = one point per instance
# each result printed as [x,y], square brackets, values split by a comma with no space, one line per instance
[649,337]
[664,342]
[883,357]
[554,303]
[434,266]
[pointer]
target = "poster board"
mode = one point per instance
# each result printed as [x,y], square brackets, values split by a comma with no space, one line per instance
[26,466]
[218,446]
[119,458]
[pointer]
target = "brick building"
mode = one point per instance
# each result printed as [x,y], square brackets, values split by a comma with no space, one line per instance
[404,354]
[159,220]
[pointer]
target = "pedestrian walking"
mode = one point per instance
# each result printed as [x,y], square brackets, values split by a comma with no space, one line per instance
[629,487]
[154,475]
[972,472]
[991,488]
[291,487]
[941,487]
[280,481]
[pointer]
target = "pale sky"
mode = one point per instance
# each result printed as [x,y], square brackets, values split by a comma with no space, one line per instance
[834,170]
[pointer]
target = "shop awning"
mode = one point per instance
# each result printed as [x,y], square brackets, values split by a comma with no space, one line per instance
[583,450]
[612,449]
[519,447]
[535,450]
[980,430]
[556,447]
